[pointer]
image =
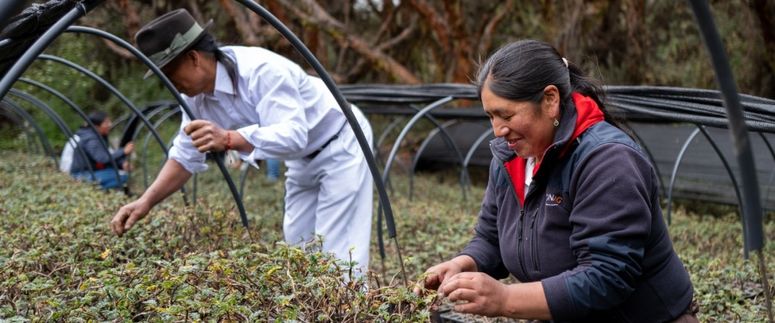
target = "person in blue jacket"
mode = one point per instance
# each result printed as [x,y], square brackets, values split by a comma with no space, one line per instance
[99,164]
[571,209]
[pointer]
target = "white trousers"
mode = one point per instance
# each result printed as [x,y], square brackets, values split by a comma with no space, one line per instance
[331,195]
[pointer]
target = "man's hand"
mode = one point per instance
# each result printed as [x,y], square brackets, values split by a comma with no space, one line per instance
[206,136]
[127,215]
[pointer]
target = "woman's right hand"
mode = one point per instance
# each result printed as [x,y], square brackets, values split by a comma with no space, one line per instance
[129,148]
[435,275]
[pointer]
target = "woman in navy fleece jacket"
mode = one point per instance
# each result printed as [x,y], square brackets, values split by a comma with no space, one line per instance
[571,207]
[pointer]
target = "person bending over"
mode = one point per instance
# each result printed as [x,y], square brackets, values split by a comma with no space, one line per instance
[263,105]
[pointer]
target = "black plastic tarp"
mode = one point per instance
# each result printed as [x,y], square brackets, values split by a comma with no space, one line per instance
[23,29]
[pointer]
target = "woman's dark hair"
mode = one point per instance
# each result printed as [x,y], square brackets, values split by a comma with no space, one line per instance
[521,70]
[96,118]
[207,44]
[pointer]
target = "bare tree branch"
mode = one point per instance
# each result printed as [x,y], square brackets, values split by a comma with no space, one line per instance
[401,37]
[120,51]
[437,22]
[318,16]
[568,37]
[241,22]
[130,16]
[387,20]
[485,41]
[343,50]
[459,69]
[193,6]
[358,69]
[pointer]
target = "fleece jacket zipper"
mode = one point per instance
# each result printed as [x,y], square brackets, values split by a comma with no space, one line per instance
[520,253]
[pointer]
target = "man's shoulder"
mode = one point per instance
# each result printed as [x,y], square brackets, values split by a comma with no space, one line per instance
[252,54]
[258,62]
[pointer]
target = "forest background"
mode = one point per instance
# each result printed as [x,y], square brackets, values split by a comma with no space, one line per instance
[621,42]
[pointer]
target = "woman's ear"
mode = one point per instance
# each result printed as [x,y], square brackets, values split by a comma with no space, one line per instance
[550,104]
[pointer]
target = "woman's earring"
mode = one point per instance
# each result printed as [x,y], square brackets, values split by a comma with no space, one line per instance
[556,123]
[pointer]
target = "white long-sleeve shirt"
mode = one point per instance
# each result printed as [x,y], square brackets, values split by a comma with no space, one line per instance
[280,109]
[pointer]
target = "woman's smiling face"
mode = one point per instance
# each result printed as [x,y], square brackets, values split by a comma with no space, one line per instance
[527,127]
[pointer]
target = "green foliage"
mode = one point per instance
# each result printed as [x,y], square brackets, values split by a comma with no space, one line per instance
[86,93]
[727,286]
[59,261]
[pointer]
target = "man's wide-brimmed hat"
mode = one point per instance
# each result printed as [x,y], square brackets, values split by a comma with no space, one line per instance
[169,35]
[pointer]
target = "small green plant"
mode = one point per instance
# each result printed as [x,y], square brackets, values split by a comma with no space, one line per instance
[59,261]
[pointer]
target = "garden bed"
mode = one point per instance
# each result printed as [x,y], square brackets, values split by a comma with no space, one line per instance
[58,259]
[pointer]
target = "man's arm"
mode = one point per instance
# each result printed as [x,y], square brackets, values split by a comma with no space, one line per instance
[171,178]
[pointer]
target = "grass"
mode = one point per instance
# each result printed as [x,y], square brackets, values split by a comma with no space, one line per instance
[58,260]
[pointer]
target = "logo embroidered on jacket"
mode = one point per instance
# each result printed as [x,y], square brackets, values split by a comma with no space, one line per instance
[553,199]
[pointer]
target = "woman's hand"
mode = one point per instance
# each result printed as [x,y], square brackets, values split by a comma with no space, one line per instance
[126,166]
[436,275]
[476,293]
[129,148]
[479,293]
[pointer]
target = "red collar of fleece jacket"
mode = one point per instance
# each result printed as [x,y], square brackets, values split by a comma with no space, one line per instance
[587,114]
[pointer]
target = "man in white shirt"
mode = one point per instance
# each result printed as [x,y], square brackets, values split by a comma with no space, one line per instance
[263,105]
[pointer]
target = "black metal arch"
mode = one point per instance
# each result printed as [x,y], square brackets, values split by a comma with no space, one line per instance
[147,137]
[113,90]
[149,114]
[650,156]
[674,173]
[39,45]
[156,125]
[16,119]
[440,128]
[415,118]
[470,154]
[392,156]
[383,136]
[752,210]
[83,116]
[751,205]
[54,116]
[16,108]
[700,129]
[183,106]
[772,153]
[345,106]
[81,8]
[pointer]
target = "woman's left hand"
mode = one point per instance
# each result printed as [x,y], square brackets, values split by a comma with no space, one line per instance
[484,295]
